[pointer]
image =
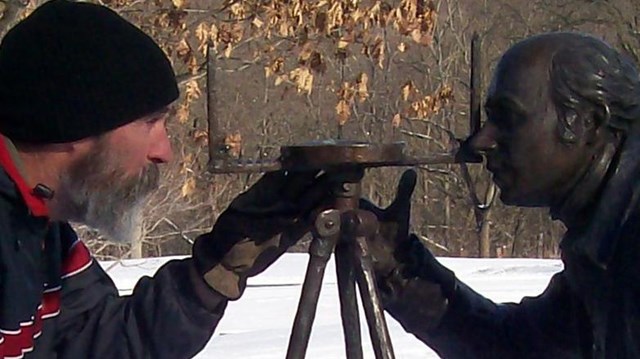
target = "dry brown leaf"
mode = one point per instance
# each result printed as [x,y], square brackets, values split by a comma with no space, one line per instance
[335,15]
[178,3]
[214,34]
[193,65]
[407,89]
[280,79]
[192,91]
[416,35]
[347,92]
[227,50]
[188,187]
[183,112]
[357,15]
[183,50]
[402,47]
[234,144]
[343,111]
[201,137]
[362,88]
[296,10]
[203,32]
[302,78]
[275,67]
[395,122]
[305,53]
[257,23]
[445,93]
[238,10]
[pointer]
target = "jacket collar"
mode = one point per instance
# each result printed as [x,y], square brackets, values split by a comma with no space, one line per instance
[10,162]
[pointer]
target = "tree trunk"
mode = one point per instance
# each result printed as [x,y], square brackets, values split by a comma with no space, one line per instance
[138,237]
[484,230]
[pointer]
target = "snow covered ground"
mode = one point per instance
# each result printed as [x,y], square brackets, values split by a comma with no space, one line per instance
[258,325]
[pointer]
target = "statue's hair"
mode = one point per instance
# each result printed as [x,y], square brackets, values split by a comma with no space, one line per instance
[591,80]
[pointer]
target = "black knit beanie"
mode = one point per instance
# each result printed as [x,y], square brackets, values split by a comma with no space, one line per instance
[72,70]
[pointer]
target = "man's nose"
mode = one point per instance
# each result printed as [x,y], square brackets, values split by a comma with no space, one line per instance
[484,141]
[160,150]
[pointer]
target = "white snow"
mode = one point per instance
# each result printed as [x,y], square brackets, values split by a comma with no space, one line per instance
[258,325]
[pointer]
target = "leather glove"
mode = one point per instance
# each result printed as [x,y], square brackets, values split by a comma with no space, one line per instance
[258,227]
[413,286]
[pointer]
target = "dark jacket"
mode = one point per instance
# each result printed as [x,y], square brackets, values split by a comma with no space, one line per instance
[590,310]
[57,302]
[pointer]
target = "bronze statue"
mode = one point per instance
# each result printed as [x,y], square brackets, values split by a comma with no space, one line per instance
[563,133]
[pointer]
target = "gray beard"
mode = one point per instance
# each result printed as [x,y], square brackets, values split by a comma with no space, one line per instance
[96,192]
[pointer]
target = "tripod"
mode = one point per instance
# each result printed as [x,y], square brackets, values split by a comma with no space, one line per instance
[343,230]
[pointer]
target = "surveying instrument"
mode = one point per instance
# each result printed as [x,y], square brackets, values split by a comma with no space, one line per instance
[342,230]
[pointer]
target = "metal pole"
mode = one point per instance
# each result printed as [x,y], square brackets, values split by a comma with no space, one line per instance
[217,151]
[475,110]
[348,197]
[380,338]
[325,237]
[348,302]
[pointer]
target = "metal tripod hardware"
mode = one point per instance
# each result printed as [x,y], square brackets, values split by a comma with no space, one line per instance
[343,229]
[326,234]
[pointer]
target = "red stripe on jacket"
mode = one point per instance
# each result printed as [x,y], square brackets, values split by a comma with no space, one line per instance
[15,343]
[77,260]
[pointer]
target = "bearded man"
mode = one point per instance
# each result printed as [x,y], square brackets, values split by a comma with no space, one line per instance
[84,99]
[563,132]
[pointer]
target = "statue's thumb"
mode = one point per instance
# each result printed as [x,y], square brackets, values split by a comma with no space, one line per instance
[406,186]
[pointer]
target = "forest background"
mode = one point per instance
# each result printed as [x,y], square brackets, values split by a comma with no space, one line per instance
[293,71]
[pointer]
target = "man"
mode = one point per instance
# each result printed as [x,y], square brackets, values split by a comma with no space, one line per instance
[562,132]
[84,97]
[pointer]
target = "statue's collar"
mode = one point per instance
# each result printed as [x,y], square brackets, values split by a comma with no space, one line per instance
[612,187]
[576,208]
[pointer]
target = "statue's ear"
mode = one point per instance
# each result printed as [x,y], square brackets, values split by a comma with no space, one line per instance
[582,126]
[599,119]
[570,129]
[602,115]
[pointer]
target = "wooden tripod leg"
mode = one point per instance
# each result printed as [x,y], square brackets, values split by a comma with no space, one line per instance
[322,245]
[371,301]
[348,303]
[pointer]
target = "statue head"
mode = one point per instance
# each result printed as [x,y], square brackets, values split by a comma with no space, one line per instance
[555,102]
